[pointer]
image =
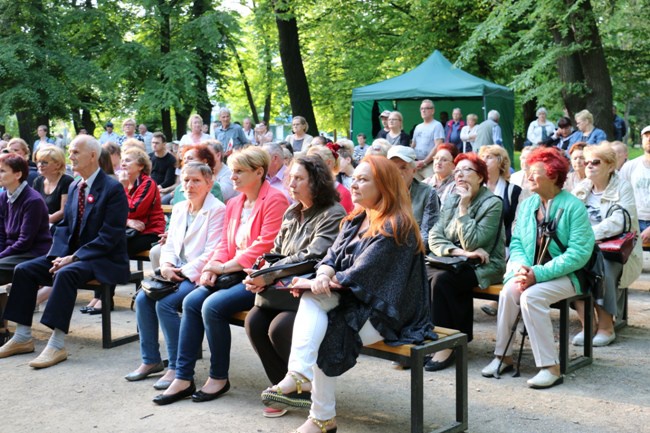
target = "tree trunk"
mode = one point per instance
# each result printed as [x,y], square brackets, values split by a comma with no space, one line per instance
[247,87]
[570,73]
[165,48]
[594,67]
[203,104]
[87,122]
[294,71]
[27,125]
[268,91]
[181,121]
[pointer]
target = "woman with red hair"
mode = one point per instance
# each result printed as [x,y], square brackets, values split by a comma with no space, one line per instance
[542,269]
[470,225]
[442,179]
[378,259]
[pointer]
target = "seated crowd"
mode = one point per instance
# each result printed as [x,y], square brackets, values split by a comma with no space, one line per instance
[365,217]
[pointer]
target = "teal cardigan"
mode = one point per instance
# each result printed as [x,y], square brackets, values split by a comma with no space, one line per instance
[477,229]
[574,231]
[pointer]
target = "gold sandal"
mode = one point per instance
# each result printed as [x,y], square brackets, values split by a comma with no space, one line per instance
[274,397]
[322,425]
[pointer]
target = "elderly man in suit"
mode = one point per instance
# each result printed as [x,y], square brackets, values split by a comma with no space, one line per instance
[89,244]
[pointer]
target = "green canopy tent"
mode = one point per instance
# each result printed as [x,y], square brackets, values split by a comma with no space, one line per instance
[436,79]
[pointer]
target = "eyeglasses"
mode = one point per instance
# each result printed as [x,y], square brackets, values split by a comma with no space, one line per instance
[426,108]
[394,120]
[465,171]
[43,163]
[594,162]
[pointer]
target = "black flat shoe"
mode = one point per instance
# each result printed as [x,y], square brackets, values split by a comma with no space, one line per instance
[432,365]
[200,396]
[162,399]
[86,309]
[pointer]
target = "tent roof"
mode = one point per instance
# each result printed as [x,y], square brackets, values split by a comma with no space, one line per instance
[436,77]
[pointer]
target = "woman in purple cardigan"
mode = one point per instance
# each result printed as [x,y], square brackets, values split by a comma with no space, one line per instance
[24,223]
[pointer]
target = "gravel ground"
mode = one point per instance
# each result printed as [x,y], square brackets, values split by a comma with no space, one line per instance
[88,393]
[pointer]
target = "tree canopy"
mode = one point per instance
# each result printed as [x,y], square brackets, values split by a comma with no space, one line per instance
[89,61]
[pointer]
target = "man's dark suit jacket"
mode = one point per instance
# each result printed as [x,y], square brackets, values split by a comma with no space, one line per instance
[102,236]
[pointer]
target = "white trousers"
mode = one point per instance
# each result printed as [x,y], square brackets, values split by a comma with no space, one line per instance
[308,333]
[535,305]
[154,256]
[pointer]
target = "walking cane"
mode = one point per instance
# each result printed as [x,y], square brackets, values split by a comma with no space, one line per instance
[512,334]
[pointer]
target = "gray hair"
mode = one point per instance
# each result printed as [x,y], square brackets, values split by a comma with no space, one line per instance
[274,149]
[541,110]
[203,169]
[91,143]
[223,110]
[494,115]
[428,101]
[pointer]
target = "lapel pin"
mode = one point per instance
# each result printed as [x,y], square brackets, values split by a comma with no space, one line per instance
[91,199]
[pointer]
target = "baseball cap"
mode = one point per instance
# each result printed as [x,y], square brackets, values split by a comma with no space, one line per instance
[405,153]
[109,124]
[646,129]
[385,113]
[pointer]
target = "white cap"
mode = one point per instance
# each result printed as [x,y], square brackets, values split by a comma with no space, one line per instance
[646,129]
[405,153]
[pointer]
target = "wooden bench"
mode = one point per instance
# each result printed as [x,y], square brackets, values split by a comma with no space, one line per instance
[566,365]
[414,356]
[107,336]
[143,256]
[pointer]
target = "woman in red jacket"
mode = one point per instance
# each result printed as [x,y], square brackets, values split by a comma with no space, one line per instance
[252,221]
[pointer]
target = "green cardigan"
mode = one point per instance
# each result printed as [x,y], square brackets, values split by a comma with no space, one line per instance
[574,231]
[477,229]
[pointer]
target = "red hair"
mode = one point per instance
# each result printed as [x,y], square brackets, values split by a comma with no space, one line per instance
[555,163]
[394,208]
[479,164]
[203,153]
[451,148]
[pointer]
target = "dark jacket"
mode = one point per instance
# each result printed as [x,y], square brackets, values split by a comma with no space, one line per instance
[24,227]
[102,238]
[387,286]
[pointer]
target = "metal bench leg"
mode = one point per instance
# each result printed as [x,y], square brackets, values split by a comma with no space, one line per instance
[462,412]
[417,393]
[566,365]
[107,340]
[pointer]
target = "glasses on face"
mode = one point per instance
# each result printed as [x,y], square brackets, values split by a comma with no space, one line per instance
[426,108]
[393,120]
[464,171]
[594,162]
[45,163]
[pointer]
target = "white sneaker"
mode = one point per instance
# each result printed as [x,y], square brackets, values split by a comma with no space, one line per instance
[491,369]
[545,379]
[579,339]
[601,340]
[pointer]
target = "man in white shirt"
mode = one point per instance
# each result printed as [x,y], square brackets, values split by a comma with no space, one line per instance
[426,136]
[276,171]
[637,172]
[108,134]
[146,136]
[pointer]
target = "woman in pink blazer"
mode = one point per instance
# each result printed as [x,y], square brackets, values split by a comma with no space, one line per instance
[252,221]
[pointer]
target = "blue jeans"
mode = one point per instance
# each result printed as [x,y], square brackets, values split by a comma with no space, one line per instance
[643,224]
[149,313]
[211,312]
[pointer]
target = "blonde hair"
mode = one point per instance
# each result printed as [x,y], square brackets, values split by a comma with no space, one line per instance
[502,156]
[346,144]
[252,158]
[133,143]
[22,143]
[140,156]
[56,154]
[379,147]
[605,152]
[328,156]
[585,115]
[129,120]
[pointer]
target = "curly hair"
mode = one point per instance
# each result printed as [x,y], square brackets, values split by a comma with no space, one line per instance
[501,154]
[204,153]
[321,183]
[479,164]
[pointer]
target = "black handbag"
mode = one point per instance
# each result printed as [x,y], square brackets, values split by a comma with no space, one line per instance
[454,264]
[273,298]
[228,280]
[157,287]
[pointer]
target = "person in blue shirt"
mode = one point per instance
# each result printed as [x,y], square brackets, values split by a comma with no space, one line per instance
[586,132]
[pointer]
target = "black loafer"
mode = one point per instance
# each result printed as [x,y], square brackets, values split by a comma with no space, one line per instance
[200,396]
[163,399]
[86,309]
[432,365]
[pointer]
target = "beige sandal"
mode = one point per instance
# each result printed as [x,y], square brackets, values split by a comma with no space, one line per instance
[322,425]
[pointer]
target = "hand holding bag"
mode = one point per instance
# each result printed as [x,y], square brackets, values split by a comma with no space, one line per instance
[283,275]
[618,248]
[157,287]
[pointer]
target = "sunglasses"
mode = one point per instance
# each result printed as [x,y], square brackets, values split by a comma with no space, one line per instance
[594,162]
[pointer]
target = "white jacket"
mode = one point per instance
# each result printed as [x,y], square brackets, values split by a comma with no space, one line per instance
[200,240]
[618,191]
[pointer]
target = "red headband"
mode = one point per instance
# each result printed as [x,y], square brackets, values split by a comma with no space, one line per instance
[334,147]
